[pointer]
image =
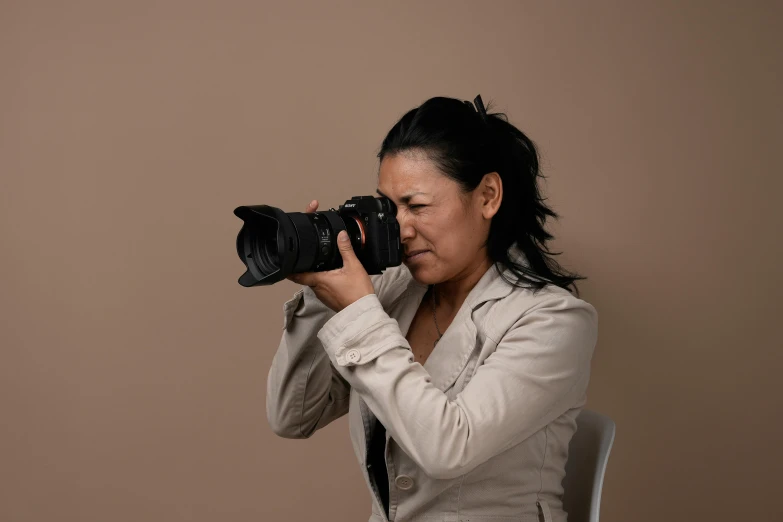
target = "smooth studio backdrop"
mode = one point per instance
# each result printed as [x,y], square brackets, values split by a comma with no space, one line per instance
[133,365]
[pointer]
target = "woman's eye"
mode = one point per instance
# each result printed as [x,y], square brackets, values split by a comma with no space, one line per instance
[415,206]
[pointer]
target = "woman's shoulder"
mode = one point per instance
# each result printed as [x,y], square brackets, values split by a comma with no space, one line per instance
[552,307]
[525,300]
[522,299]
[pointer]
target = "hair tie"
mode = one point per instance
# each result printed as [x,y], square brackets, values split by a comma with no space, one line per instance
[480,107]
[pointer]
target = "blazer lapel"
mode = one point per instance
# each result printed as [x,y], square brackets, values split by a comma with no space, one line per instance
[450,356]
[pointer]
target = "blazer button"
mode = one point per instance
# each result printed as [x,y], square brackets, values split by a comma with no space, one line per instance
[404,482]
[353,355]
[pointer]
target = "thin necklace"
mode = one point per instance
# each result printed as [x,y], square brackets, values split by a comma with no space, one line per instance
[434,316]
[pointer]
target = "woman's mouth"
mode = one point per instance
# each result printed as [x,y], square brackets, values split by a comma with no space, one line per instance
[416,255]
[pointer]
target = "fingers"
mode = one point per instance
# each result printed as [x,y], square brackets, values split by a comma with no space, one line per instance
[313,206]
[346,249]
[303,278]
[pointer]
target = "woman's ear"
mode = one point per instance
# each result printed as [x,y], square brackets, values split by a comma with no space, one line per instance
[491,194]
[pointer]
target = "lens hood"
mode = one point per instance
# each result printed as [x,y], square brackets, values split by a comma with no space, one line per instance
[265,265]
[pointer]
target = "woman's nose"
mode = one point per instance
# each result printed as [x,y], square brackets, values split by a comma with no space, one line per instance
[406,229]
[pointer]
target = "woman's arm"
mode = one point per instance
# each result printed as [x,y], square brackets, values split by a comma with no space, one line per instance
[304,391]
[538,371]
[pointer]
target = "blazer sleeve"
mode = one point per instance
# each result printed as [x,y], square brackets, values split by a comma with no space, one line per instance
[538,370]
[304,391]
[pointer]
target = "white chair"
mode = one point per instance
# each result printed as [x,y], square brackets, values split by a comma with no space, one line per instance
[588,453]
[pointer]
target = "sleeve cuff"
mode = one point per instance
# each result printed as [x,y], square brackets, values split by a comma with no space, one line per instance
[360,332]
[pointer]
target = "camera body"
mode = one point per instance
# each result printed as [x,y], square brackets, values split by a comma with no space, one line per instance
[376,240]
[274,244]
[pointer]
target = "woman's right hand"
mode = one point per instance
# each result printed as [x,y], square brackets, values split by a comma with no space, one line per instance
[312,207]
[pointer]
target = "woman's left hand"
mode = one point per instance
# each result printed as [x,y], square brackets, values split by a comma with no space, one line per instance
[341,287]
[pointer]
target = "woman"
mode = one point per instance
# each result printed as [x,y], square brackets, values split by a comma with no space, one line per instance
[463,369]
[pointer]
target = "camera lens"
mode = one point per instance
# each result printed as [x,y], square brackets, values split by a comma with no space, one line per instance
[274,244]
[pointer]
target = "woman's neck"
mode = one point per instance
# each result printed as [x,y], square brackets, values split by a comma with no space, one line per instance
[452,293]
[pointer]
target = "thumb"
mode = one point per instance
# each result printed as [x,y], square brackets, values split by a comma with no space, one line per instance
[345,247]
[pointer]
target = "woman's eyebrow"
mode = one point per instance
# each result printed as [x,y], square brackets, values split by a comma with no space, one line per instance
[405,199]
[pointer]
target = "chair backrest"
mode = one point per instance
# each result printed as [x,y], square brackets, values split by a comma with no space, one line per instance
[588,453]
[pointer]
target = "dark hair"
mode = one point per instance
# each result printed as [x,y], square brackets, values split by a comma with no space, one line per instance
[466,145]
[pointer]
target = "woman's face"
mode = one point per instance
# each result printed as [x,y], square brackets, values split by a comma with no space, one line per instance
[448,228]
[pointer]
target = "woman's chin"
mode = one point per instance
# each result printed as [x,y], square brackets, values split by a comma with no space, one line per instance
[422,275]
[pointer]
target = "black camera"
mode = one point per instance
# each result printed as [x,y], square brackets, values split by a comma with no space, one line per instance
[274,244]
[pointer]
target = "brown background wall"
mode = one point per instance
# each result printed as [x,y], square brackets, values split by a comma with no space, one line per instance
[134,366]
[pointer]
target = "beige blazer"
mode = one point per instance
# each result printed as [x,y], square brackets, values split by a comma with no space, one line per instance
[480,432]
